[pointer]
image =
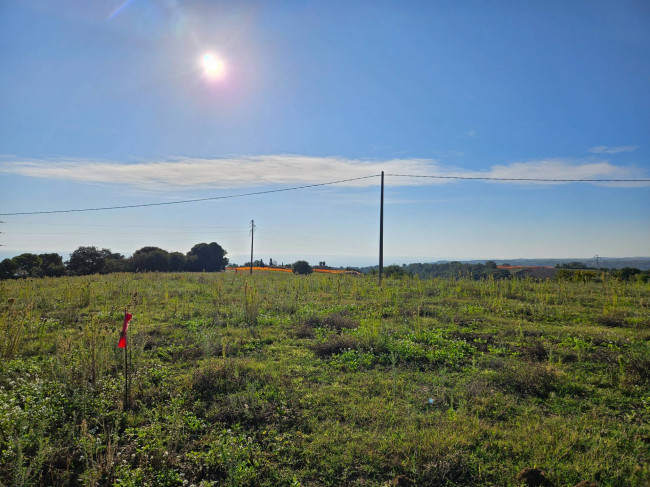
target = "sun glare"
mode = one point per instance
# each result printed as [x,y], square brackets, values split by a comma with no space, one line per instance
[212,66]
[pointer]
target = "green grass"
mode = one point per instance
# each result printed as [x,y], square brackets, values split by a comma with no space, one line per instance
[323,380]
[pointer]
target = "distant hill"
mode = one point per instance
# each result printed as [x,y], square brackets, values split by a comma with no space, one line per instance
[642,263]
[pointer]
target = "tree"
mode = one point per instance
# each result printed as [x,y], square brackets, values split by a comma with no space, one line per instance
[176,262]
[146,250]
[52,265]
[490,264]
[87,260]
[29,265]
[207,257]
[626,273]
[501,274]
[150,259]
[394,271]
[8,269]
[301,267]
[574,265]
[113,262]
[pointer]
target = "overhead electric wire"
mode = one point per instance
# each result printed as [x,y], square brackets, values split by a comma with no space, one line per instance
[131,225]
[196,200]
[105,242]
[130,233]
[541,180]
[314,185]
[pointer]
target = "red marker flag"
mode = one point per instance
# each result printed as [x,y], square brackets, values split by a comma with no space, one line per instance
[127,320]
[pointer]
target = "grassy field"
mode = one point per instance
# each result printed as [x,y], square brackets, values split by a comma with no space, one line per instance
[323,380]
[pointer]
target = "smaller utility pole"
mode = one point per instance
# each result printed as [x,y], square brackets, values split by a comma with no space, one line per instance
[252,234]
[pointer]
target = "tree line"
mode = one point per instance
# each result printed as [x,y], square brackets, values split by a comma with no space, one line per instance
[208,257]
[575,271]
[445,269]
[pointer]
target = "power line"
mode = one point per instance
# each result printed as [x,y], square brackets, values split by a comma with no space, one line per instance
[90,243]
[72,234]
[487,178]
[178,202]
[241,195]
[116,225]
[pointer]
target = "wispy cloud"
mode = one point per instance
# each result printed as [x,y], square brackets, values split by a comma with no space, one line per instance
[291,170]
[566,169]
[603,149]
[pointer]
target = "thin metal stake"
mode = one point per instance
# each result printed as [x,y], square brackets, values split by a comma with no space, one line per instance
[252,234]
[126,379]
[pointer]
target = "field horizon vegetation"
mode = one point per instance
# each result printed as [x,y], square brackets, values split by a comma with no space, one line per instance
[211,257]
[315,380]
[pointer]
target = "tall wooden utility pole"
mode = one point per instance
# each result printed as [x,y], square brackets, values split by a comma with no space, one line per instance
[381,230]
[252,233]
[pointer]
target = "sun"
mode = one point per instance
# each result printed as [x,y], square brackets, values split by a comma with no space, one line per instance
[213,67]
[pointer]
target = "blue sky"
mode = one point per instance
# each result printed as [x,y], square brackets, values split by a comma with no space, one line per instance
[108,103]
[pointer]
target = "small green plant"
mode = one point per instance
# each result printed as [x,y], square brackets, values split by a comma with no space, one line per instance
[251,305]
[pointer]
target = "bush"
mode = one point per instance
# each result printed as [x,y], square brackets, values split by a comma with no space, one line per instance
[637,366]
[527,379]
[220,378]
[394,271]
[301,267]
[334,322]
[335,344]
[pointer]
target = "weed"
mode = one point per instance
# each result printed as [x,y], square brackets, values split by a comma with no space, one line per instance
[335,321]
[527,379]
[219,377]
[334,344]
[636,366]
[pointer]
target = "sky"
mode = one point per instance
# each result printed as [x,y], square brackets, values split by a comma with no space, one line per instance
[117,103]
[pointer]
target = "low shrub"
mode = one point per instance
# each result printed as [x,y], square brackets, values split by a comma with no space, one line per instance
[224,377]
[612,319]
[636,365]
[335,344]
[527,379]
[534,350]
[304,330]
[334,321]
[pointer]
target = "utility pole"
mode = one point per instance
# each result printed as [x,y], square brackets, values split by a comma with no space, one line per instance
[381,230]
[252,234]
[597,262]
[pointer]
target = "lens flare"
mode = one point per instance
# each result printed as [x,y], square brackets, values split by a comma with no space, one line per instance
[212,66]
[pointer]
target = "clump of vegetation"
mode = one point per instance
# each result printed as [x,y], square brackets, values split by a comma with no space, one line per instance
[334,321]
[302,267]
[636,365]
[526,379]
[334,344]
[222,377]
